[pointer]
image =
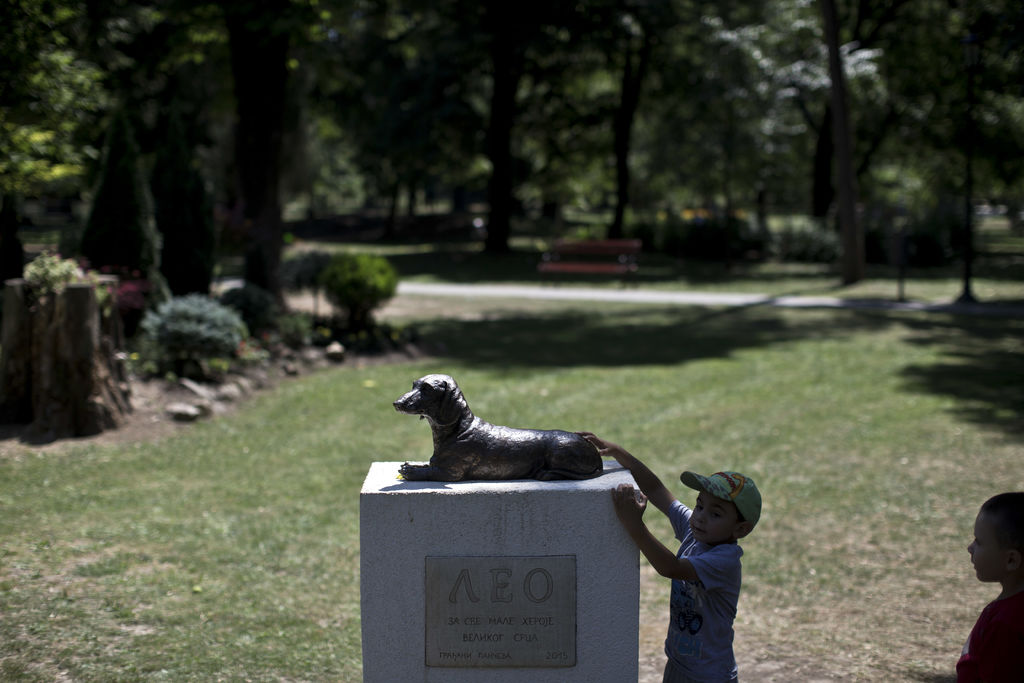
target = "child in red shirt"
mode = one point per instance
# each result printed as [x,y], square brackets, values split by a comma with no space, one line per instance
[994,652]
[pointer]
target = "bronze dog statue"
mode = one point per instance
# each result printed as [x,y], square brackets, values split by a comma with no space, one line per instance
[466,447]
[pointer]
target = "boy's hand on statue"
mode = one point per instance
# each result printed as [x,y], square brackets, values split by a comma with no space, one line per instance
[594,440]
[630,503]
[604,448]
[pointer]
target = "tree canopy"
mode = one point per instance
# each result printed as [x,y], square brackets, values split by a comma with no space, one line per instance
[639,109]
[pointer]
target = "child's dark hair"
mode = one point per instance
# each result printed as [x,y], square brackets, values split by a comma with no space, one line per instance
[1006,511]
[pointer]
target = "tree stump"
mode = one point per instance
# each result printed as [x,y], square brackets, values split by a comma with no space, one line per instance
[60,367]
[15,361]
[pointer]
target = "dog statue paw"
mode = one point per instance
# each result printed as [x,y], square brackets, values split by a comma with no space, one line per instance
[468,448]
[411,472]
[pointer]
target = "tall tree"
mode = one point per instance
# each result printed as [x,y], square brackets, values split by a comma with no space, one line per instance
[402,85]
[509,29]
[851,237]
[525,44]
[259,35]
[639,42]
[48,96]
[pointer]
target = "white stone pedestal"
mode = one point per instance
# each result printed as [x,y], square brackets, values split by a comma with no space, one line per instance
[496,581]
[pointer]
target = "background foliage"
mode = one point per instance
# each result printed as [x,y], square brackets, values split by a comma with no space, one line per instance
[633,114]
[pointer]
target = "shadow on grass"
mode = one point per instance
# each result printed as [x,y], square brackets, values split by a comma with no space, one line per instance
[983,370]
[933,678]
[638,336]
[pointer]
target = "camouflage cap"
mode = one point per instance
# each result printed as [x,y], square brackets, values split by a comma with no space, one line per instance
[732,486]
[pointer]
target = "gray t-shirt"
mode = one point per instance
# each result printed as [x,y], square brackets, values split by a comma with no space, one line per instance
[702,612]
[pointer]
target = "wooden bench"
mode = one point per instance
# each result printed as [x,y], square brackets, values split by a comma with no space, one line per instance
[591,257]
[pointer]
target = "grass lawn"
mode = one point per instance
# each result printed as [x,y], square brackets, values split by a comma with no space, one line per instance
[230,550]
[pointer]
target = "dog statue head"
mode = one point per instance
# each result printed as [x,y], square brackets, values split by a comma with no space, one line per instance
[435,398]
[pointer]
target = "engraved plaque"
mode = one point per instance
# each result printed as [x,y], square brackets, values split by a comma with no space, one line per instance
[501,611]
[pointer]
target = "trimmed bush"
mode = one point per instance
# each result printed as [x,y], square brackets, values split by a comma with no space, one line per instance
[359,283]
[183,211]
[194,327]
[120,230]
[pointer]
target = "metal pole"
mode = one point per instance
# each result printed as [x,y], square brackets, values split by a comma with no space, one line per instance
[902,263]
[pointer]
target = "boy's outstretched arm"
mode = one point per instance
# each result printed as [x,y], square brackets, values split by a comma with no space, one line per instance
[648,481]
[630,506]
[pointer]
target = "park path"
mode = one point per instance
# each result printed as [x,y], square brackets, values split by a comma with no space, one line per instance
[649,296]
[304,302]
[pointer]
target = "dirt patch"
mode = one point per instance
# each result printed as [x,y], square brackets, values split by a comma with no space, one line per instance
[756,660]
[150,421]
[146,422]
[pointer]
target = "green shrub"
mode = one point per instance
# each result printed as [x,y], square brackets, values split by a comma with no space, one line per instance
[359,283]
[704,237]
[295,329]
[257,306]
[935,235]
[805,243]
[646,231]
[49,273]
[194,327]
[303,271]
[708,240]
[927,250]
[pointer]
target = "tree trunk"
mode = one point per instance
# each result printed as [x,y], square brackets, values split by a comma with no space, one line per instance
[59,366]
[16,359]
[551,210]
[507,64]
[822,189]
[391,222]
[632,81]
[12,252]
[761,201]
[1014,214]
[410,207]
[259,54]
[460,199]
[851,238]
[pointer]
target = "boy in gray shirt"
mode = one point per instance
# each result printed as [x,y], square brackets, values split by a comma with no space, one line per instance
[705,572]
